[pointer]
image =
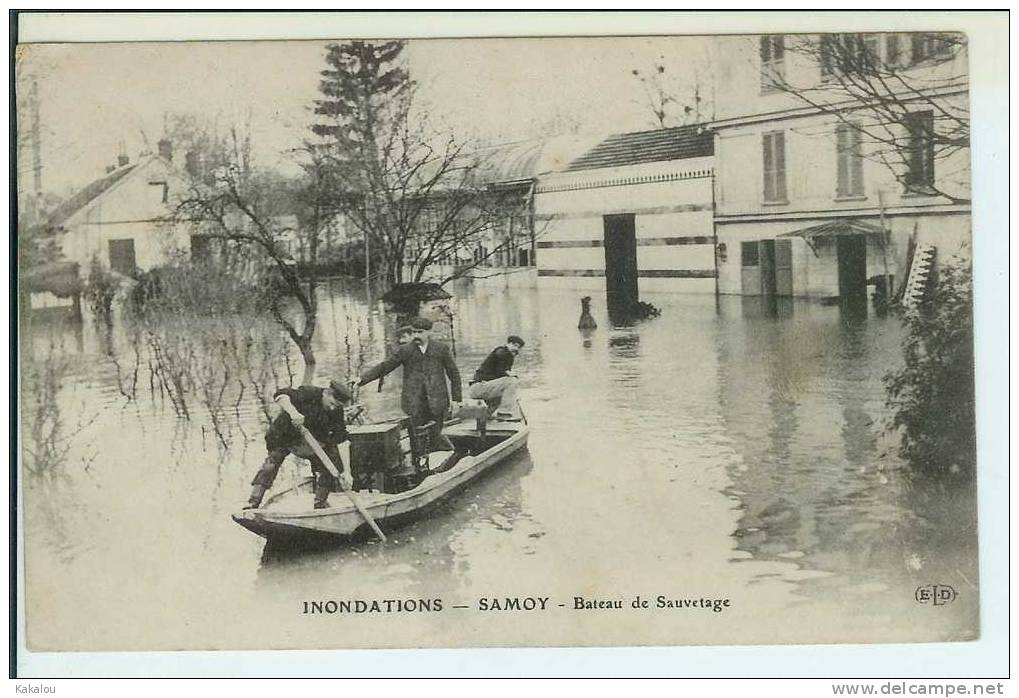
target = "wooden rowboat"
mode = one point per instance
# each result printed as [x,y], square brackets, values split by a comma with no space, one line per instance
[287,515]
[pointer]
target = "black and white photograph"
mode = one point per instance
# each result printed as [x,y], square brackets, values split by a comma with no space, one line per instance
[363,342]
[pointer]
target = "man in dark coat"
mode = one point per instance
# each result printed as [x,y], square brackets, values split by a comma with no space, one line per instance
[427,363]
[320,411]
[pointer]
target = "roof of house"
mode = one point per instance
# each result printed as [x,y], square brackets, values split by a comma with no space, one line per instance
[58,278]
[641,147]
[524,160]
[87,195]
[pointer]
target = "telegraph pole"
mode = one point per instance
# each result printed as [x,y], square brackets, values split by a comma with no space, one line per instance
[367,271]
[36,145]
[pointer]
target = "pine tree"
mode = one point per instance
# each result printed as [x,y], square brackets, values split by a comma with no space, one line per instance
[360,88]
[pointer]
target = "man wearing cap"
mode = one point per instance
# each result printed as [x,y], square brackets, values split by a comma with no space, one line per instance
[320,410]
[427,363]
[494,381]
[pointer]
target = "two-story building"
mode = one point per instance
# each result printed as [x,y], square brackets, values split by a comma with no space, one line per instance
[828,180]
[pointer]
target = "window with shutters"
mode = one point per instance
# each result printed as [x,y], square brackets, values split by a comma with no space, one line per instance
[925,47]
[858,54]
[919,153]
[849,180]
[893,50]
[773,146]
[772,50]
[750,254]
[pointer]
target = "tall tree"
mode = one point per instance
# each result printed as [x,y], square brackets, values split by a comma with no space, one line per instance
[417,196]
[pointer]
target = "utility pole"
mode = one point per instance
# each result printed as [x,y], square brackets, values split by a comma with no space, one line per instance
[367,271]
[885,238]
[36,128]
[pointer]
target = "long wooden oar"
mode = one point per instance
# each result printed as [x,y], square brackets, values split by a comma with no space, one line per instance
[328,463]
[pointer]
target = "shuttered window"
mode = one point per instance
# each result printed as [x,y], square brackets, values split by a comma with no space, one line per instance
[850,162]
[919,150]
[750,254]
[774,167]
[772,49]
[893,51]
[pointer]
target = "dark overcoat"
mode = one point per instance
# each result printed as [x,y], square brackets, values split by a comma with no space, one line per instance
[424,378]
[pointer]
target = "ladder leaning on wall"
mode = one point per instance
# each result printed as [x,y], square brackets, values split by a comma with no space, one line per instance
[920,271]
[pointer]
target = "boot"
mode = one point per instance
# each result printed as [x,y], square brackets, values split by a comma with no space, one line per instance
[255,500]
[321,497]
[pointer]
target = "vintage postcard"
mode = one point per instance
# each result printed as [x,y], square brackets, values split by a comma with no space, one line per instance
[537,341]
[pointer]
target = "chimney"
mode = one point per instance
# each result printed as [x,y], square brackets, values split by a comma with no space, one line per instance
[122,160]
[166,149]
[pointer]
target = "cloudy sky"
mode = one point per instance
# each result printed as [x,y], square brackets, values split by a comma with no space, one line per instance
[96,99]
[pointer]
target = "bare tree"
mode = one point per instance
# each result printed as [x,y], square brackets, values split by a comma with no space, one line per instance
[903,94]
[262,216]
[417,196]
[671,102]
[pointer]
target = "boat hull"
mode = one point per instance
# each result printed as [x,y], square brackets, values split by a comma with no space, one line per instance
[344,521]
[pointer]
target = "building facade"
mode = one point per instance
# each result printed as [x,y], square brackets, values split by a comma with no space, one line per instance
[122,220]
[504,253]
[632,214]
[819,194]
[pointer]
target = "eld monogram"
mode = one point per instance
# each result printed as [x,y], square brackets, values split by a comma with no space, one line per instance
[935,594]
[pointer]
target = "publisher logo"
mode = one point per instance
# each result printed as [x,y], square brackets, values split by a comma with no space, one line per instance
[935,594]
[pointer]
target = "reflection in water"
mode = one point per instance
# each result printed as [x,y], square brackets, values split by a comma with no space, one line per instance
[731,446]
[814,483]
[421,559]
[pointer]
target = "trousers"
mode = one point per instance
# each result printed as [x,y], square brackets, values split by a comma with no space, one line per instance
[324,480]
[500,393]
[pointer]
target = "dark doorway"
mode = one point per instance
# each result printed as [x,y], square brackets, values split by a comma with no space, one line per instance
[122,256]
[852,261]
[620,264]
[769,287]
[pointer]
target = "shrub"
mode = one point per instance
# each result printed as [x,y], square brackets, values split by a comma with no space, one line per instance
[100,290]
[932,395]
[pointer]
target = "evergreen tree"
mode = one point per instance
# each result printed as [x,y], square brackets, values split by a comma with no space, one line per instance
[416,196]
[360,88]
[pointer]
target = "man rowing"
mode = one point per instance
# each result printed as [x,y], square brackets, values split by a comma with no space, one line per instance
[320,410]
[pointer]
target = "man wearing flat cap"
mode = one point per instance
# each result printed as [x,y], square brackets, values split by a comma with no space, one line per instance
[427,363]
[320,410]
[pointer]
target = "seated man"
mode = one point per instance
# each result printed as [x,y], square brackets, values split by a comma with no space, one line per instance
[320,410]
[493,381]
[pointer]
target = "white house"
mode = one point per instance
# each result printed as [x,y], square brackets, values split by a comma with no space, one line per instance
[121,219]
[810,199]
[632,214]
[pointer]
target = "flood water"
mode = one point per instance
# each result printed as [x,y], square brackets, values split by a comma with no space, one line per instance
[725,449]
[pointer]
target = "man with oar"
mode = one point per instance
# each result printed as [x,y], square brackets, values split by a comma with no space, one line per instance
[320,411]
